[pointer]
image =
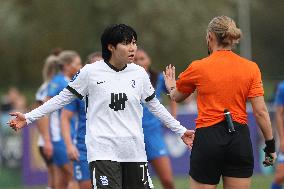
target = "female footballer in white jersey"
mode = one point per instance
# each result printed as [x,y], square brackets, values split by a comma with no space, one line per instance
[114,136]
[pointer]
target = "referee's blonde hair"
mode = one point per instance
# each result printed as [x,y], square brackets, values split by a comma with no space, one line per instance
[225,30]
[50,67]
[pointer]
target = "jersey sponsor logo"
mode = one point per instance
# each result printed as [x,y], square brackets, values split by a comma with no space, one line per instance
[104,180]
[75,76]
[118,101]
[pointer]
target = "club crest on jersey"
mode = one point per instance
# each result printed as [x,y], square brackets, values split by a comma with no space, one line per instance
[75,76]
[104,180]
[133,83]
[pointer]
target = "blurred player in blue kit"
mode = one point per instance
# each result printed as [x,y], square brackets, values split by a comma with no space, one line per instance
[78,152]
[69,64]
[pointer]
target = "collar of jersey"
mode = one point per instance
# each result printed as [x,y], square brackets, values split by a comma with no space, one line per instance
[115,68]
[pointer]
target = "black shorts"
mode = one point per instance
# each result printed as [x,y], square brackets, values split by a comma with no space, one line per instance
[107,174]
[216,153]
[46,160]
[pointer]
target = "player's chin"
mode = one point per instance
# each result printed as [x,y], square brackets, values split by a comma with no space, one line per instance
[130,59]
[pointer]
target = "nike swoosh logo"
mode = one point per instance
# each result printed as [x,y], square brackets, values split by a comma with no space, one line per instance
[100,82]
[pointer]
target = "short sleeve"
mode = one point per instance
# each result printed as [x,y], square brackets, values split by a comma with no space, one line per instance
[186,82]
[72,107]
[256,87]
[279,98]
[53,88]
[79,84]
[148,91]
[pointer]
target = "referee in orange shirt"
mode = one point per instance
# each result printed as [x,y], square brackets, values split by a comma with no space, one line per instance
[224,82]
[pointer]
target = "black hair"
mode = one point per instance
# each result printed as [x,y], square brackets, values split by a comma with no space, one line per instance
[114,34]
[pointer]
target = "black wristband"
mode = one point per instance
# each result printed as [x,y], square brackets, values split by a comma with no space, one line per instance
[270,146]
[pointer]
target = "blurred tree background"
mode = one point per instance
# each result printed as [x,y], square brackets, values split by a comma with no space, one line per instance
[172,31]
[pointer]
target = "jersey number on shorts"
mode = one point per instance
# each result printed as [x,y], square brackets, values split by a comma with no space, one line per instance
[78,172]
[144,173]
[118,101]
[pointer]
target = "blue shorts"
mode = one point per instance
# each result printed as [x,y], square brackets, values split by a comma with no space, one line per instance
[81,170]
[59,156]
[280,157]
[155,145]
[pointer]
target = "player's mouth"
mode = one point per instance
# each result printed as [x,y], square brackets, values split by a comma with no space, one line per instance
[131,57]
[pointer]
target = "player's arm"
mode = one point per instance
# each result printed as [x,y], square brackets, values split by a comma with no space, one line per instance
[153,104]
[170,81]
[256,97]
[55,103]
[77,88]
[66,117]
[262,118]
[43,128]
[173,108]
[163,87]
[169,121]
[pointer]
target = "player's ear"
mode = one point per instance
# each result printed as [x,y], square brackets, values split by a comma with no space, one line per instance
[110,47]
[209,36]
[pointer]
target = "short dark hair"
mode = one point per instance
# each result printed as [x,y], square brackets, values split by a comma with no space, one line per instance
[114,34]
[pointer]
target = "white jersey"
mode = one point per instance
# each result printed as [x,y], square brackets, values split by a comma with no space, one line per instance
[114,114]
[40,96]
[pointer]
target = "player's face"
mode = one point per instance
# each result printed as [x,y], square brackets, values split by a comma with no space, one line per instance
[124,53]
[142,59]
[75,66]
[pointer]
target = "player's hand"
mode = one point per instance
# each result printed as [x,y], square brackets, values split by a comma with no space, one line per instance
[73,152]
[170,77]
[18,122]
[48,149]
[269,159]
[188,138]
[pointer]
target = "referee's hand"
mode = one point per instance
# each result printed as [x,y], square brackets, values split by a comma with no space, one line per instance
[18,122]
[188,138]
[170,77]
[269,159]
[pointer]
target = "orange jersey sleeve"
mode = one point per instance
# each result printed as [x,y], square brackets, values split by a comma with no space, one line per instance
[256,87]
[186,82]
